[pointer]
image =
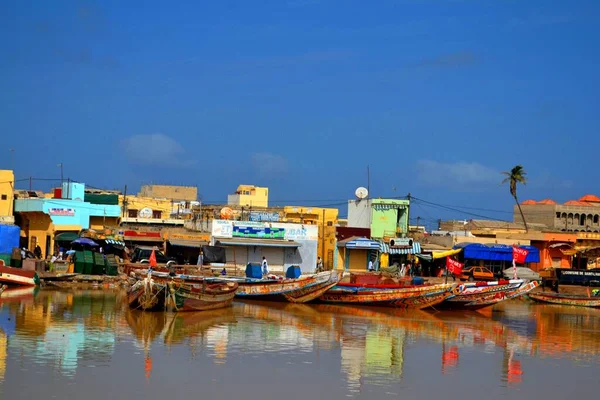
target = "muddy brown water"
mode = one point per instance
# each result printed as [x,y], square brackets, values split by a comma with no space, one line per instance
[89,345]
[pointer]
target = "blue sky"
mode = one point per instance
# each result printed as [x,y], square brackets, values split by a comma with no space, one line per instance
[437,97]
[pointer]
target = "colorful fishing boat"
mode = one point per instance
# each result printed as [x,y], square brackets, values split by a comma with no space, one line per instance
[566,299]
[199,296]
[413,297]
[18,276]
[294,290]
[167,293]
[477,295]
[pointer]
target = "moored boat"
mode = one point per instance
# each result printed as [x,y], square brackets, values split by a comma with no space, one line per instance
[477,295]
[295,290]
[147,295]
[18,276]
[414,297]
[566,299]
[199,296]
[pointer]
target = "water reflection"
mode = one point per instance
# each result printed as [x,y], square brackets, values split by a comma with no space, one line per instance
[369,348]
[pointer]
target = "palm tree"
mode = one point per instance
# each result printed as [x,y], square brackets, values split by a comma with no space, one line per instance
[514,176]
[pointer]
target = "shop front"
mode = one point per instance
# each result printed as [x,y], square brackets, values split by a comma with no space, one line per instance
[354,253]
[185,247]
[282,244]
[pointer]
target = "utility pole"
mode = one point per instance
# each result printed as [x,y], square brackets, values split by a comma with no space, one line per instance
[418,219]
[408,212]
[323,239]
[368,182]
[125,201]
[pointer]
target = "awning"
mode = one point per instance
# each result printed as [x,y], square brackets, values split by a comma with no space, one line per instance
[66,237]
[426,257]
[142,239]
[444,254]
[360,243]
[258,242]
[414,249]
[555,245]
[382,207]
[115,243]
[187,243]
[496,252]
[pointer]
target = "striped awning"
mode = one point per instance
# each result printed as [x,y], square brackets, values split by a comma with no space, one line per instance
[382,207]
[415,249]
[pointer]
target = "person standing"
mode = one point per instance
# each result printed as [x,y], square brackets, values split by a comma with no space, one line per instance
[265,266]
[319,264]
[370,267]
[200,259]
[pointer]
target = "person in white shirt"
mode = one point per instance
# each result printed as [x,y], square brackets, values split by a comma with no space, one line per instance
[370,267]
[265,266]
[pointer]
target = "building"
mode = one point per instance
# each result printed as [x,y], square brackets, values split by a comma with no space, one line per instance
[325,219]
[581,215]
[43,220]
[7,195]
[282,244]
[387,218]
[249,196]
[174,193]
[353,254]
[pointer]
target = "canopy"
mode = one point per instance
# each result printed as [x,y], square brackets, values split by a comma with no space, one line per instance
[258,242]
[414,249]
[85,241]
[360,243]
[444,254]
[66,237]
[496,252]
[187,243]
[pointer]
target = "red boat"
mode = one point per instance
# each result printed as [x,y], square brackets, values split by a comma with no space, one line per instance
[18,276]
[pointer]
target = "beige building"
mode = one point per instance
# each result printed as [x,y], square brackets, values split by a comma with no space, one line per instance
[249,196]
[581,215]
[174,193]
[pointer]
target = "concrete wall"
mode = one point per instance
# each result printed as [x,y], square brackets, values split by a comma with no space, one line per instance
[561,217]
[177,193]
[249,195]
[359,213]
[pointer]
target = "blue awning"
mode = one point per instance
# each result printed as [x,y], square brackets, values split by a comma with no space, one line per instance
[414,249]
[496,252]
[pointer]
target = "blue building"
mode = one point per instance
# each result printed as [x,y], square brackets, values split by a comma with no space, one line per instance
[48,221]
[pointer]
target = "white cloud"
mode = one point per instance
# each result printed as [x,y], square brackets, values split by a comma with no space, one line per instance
[456,174]
[268,164]
[156,149]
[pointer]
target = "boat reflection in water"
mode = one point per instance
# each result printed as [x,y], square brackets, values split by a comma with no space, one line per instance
[364,351]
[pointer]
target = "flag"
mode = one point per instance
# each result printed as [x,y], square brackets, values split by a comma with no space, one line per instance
[453,266]
[519,254]
[153,259]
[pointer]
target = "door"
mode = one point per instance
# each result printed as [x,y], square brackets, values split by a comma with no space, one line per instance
[48,248]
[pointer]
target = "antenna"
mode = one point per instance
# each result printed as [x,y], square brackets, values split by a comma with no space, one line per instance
[361,193]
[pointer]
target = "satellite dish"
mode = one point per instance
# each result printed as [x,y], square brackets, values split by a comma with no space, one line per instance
[361,192]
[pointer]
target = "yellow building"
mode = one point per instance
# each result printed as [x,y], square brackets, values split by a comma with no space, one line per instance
[7,191]
[175,193]
[326,219]
[249,196]
[145,209]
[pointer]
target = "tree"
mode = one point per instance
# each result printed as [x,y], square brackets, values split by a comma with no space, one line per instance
[516,175]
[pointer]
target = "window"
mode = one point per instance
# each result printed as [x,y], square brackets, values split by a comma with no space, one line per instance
[156,214]
[329,223]
[4,197]
[132,213]
[558,215]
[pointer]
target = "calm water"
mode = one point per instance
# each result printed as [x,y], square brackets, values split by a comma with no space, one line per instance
[88,345]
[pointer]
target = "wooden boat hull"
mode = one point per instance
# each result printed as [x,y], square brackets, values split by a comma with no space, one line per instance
[301,290]
[476,296]
[416,297]
[147,295]
[565,300]
[18,276]
[200,297]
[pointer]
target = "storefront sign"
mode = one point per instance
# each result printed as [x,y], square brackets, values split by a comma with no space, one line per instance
[258,232]
[222,228]
[264,216]
[180,236]
[298,231]
[136,234]
[62,212]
